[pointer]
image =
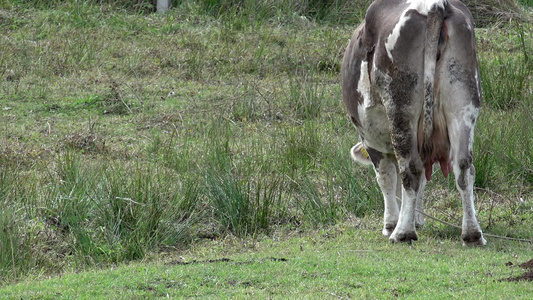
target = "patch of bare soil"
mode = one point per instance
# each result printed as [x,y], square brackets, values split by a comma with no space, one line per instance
[226,260]
[527,276]
[527,265]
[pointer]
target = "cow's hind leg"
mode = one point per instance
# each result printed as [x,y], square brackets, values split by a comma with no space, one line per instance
[419,206]
[411,173]
[411,169]
[387,177]
[461,138]
[460,97]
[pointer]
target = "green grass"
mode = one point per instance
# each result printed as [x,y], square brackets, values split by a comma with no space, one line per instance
[526,3]
[333,263]
[124,134]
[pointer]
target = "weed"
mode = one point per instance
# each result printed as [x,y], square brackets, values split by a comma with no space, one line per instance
[353,185]
[114,103]
[246,107]
[306,97]
[526,3]
[302,144]
[243,206]
[508,81]
[15,254]
[505,79]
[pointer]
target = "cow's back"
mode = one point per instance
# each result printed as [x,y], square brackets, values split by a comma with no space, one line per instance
[383,65]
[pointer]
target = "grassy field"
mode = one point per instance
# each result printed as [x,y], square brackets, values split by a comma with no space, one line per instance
[351,262]
[126,136]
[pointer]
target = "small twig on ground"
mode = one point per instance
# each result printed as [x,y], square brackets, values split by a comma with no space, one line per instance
[335,295]
[438,220]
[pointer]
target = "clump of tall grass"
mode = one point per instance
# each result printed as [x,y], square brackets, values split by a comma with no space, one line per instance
[353,184]
[145,210]
[306,97]
[245,198]
[301,146]
[317,203]
[248,106]
[245,206]
[15,253]
[506,80]
[503,152]
[111,213]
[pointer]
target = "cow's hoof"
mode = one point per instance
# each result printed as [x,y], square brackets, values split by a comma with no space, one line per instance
[473,239]
[388,229]
[406,237]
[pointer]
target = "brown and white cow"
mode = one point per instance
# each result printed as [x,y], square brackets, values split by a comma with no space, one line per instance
[410,83]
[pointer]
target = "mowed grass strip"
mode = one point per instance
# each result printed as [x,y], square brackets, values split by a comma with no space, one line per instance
[340,262]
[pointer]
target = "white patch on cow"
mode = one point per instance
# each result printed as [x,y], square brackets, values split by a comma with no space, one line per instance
[469,113]
[387,178]
[363,86]
[371,112]
[422,6]
[372,115]
[395,34]
[463,122]
[405,224]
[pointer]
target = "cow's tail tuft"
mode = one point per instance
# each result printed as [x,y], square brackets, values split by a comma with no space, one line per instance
[435,20]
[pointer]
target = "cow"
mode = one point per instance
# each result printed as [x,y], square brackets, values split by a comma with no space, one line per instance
[411,87]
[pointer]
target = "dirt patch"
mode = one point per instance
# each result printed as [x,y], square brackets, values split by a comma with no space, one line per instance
[527,265]
[527,276]
[226,260]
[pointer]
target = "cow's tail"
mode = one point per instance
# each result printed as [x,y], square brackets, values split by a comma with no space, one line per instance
[435,20]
